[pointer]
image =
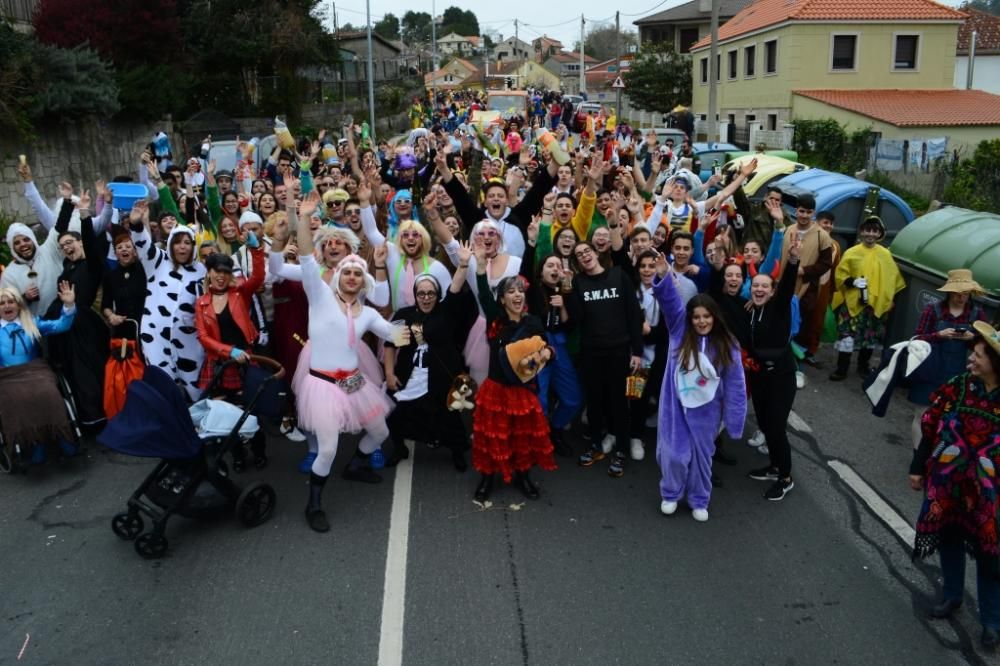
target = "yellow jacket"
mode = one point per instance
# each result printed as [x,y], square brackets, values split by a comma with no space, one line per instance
[876,265]
[582,219]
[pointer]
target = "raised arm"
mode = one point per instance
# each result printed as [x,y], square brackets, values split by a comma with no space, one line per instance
[374,236]
[44,213]
[786,284]
[736,183]
[671,303]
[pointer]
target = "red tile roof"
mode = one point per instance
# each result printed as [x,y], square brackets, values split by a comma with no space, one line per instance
[987,29]
[915,108]
[572,56]
[766,13]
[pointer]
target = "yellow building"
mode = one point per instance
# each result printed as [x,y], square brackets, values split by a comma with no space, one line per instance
[450,77]
[523,74]
[773,48]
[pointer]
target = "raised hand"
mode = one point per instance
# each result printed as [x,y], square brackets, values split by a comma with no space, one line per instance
[101,190]
[65,190]
[84,202]
[211,167]
[749,168]
[139,213]
[533,230]
[596,170]
[154,172]
[662,265]
[380,254]
[430,205]
[549,201]
[464,252]
[67,292]
[524,157]
[795,247]
[364,192]
[309,204]
[24,171]
[775,210]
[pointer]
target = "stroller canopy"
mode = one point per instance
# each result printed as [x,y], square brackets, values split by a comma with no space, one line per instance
[155,422]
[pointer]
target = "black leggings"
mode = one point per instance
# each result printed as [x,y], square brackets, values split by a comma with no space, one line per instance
[773,396]
[604,372]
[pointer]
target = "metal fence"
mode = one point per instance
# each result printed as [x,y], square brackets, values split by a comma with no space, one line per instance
[18,10]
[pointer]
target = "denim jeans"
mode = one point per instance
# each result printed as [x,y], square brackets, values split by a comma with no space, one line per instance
[560,375]
[953,556]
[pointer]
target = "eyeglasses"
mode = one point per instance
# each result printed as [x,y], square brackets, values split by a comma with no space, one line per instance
[404,201]
[331,204]
[353,211]
[410,234]
[489,233]
[66,244]
[426,294]
[583,253]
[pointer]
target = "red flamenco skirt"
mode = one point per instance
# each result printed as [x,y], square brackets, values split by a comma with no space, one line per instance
[509,431]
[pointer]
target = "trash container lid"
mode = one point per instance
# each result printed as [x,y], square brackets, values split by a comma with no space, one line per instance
[953,237]
[769,167]
[832,188]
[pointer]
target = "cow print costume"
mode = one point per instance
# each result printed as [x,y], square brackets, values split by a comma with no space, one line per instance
[169,336]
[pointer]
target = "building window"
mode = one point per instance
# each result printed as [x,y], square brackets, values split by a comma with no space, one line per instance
[771,57]
[704,70]
[905,52]
[732,70]
[772,121]
[843,53]
[750,61]
[688,37]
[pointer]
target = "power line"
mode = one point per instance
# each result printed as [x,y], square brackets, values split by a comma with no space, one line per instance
[648,10]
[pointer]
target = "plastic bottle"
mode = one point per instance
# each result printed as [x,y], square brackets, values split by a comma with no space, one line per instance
[864,292]
[549,142]
[281,132]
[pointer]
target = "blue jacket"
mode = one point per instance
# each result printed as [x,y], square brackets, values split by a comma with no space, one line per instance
[17,347]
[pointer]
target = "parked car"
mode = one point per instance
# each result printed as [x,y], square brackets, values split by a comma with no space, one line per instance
[582,111]
[708,153]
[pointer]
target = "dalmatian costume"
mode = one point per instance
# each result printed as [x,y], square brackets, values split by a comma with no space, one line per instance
[169,336]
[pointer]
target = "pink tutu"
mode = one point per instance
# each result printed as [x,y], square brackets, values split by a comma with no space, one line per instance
[325,407]
[477,351]
[368,364]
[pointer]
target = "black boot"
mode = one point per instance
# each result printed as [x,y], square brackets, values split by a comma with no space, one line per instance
[527,486]
[399,452]
[359,469]
[720,454]
[562,449]
[864,358]
[843,365]
[314,509]
[484,488]
[458,460]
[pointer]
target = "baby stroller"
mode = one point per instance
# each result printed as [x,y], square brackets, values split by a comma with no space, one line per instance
[191,479]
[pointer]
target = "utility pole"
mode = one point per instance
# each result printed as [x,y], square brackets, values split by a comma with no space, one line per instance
[713,77]
[516,39]
[618,65]
[371,75]
[434,53]
[343,71]
[583,71]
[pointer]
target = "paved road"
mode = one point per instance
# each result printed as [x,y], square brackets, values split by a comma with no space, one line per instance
[590,574]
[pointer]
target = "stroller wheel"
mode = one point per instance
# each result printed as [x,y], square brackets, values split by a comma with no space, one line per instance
[256,503]
[151,546]
[127,525]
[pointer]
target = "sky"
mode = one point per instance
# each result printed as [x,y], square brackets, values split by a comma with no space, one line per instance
[550,18]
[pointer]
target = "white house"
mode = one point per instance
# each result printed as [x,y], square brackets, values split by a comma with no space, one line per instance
[986,70]
[456,44]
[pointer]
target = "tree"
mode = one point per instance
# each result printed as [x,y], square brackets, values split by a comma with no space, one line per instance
[602,42]
[462,22]
[75,82]
[416,27]
[988,6]
[388,27]
[658,79]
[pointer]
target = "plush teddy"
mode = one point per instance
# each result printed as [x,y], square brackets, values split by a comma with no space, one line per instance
[462,393]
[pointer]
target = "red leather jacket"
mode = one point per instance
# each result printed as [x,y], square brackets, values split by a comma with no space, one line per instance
[240,297]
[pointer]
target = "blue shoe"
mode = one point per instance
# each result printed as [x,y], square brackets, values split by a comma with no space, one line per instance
[306,465]
[377,459]
[38,456]
[69,449]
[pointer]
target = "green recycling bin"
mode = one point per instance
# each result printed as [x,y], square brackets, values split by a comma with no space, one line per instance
[930,246]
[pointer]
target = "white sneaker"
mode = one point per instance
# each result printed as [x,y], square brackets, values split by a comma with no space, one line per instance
[800,379]
[608,444]
[583,418]
[652,421]
[701,515]
[757,440]
[291,433]
[637,450]
[668,508]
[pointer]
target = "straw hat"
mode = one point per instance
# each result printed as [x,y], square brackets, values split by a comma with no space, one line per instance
[990,334]
[960,281]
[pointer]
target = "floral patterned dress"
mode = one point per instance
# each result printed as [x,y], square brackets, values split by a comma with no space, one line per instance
[962,424]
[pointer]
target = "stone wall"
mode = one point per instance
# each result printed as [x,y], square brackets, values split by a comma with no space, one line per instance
[80,153]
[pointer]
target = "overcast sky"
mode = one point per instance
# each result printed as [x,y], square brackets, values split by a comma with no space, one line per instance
[550,18]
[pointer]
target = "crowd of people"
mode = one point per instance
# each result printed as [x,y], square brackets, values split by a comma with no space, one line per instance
[544,272]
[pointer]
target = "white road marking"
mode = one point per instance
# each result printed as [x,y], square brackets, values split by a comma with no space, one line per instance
[796,422]
[886,513]
[390,643]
